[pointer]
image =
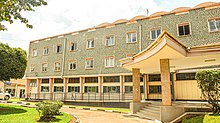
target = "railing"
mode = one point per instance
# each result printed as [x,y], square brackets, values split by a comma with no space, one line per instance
[87,97]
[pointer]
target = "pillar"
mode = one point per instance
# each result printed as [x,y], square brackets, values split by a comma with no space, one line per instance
[27,88]
[82,81]
[38,87]
[51,81]
[146,80]
[122,86]
[16,90]
[165,82]
[65,82]
[136,85]
[100,88]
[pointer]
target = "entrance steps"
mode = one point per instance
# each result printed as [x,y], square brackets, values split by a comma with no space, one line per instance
[150,112]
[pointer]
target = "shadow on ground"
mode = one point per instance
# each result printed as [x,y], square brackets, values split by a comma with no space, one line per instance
[5,110]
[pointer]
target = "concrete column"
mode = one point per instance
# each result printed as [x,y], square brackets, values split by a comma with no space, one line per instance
[38,87]
[174,85]
[65,85]
[136,85]
[51,81]
[100,81]
[122,84]
[165,82]
[27,88]
[146,80]
[82,81]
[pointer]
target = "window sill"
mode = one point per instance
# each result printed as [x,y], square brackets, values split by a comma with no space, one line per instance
[73,50]
[110,45]
[131,42]
[72,69]
[45,54]
[90,48]
[109,67]
[89,68]
[214,31]
[57,70]
[185,35]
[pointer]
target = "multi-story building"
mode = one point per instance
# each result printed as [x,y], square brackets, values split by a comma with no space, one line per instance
[87,61]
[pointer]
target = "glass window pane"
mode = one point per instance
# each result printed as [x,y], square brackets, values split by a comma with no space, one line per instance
[212,26]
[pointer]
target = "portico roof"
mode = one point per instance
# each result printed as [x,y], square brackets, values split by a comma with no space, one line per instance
[180,56]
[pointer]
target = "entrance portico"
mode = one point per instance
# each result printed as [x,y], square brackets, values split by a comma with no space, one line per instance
[166,54]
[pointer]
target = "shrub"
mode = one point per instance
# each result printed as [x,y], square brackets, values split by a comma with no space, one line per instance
[209,82]
[48,109]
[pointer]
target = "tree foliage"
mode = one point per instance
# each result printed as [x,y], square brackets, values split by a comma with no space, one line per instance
[10,10]
[209,82]
[13,62]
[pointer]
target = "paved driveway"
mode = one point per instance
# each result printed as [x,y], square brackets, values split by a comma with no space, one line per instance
[87,116]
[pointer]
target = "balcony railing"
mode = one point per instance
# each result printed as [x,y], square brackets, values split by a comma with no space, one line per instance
[87,97]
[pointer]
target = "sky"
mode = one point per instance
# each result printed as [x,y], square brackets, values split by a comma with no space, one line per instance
[63,16]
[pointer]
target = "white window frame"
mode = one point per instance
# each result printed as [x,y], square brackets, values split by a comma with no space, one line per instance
[46,51]
[131,40]
[75,46]
[60,50]
[109,61]
[34,52]
[155,29]
[44,68]
[215,20]
[183,24]
[89,43]
[32,68]
[89,63]
[57,66]
[110,38]
[72,62]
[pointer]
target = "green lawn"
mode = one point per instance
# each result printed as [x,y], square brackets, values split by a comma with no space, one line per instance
[18,114]
[124,110]
[203,119]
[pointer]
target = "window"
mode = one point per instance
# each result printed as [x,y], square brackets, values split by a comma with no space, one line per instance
[32,68]
[128,78]
[58,88]
[73,46]
[128,89]
[110,40]
[155,89]
[131,37]
[73,89]
[44,67]
[46,51]
[91,80]
[90,43]
[72,65]
[185,76]
[89,63]
[111,89]
[109,61]
[142,89]
[44,88]
[58,80]
[57,66]
[89,89]
[184,29]
[74,80]
[34,52]
[154,77]
[111,79]
[154,33]
[214,25]
[33,83]
[45,81]
[59,48]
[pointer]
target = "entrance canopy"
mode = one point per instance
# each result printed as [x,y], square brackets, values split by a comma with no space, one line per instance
[180,56]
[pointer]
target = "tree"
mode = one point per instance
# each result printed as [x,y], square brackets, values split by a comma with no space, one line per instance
[10,10]
[209,82]
[13,62]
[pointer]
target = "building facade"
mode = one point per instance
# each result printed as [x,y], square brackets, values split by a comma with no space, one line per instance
[86,62]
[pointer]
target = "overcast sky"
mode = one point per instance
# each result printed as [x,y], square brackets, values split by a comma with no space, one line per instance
[63,16]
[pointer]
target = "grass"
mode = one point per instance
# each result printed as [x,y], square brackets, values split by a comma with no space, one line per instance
[203,119]
[18,114]
[124,110]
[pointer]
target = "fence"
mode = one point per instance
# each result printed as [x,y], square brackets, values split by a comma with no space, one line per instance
[88,97]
